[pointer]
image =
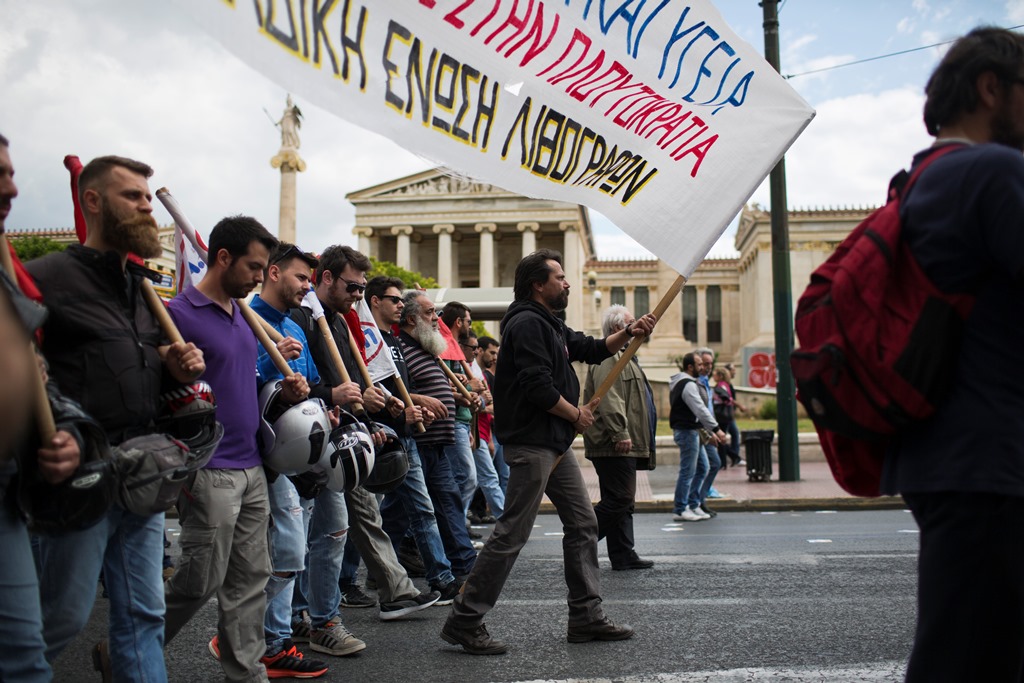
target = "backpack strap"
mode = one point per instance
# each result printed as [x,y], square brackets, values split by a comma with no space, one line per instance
[901,183]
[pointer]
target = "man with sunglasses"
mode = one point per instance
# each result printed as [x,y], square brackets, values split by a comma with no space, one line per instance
[340,283]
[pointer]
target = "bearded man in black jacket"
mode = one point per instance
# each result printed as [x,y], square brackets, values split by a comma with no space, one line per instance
[536,419]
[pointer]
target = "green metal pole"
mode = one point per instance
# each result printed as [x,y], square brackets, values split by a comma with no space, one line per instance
[789,448]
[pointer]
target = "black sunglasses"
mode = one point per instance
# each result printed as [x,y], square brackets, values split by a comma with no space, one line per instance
[288,254]
[392,298]
[352,286]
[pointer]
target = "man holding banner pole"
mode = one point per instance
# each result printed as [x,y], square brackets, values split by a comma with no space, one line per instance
[224,511]
[106,351]
[536,418]
[409,506]
[341,281]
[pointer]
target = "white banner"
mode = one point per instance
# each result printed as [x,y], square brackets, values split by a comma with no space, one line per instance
[654,113]
[189,267]
[378,356]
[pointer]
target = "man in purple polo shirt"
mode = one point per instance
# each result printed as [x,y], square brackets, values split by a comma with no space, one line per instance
[224,511]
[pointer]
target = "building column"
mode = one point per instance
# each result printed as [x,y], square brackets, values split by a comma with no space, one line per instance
[444,233]
[486,231]
[631,300]
[365,234]
[403,255]
[702,315]
[573,269]
[529,231]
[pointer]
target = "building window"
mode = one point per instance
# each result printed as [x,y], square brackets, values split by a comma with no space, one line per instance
[641,301]
[713,298]
[618,296]
[690,314]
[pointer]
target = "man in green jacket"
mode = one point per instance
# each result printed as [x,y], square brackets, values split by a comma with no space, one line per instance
[620,441]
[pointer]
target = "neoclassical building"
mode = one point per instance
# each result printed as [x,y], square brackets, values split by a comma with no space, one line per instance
[469,237]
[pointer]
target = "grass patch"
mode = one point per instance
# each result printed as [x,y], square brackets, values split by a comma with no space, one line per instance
[802,425]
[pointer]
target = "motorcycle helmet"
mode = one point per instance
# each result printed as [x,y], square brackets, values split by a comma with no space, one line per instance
[293,437]
[390,464]
[348,458]
[190,416]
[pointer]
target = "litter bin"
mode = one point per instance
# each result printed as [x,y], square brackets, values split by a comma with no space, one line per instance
[757,449]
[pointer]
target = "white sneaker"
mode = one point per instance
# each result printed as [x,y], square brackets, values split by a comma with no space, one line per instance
[700,513]
[678,518]
[689,515]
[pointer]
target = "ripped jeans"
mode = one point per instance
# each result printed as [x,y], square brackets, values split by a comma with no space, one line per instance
[295,518]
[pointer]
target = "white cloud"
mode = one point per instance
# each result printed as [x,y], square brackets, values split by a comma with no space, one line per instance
[905,25]
[1015,11]
[920,6]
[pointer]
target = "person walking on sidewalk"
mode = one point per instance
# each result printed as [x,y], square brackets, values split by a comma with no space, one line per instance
[536,418]
[688,414]
[620,441]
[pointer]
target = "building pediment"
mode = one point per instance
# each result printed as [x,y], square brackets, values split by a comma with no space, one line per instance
[438,182]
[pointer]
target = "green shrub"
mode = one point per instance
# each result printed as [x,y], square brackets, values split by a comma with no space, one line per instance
[769,410]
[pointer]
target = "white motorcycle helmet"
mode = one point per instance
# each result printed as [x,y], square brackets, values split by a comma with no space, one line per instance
[293,437]
[348,458]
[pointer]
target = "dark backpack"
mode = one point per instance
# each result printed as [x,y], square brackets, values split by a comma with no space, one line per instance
[877,339]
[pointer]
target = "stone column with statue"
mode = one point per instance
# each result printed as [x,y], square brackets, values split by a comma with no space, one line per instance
[290,163]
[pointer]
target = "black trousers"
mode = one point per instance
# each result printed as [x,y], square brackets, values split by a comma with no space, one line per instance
[617,480]
[970,620]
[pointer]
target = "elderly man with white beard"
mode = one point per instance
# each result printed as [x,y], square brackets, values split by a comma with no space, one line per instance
[422,343]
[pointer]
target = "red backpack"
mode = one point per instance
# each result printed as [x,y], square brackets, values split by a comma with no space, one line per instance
[877,339]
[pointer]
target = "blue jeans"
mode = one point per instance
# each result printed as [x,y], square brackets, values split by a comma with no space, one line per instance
[448,509]
[689,448]
[350,560]
[500,466]
[734,444]
[409,507]
[319,582]
[287,556]
[699,474]
[21,617]
[129,549]
[714,465]
[460,454]
[487,480]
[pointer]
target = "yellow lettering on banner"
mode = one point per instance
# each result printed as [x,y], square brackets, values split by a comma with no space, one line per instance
[309,32]
[449,92]
[557,143]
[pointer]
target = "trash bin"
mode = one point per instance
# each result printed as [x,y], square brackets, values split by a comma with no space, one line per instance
[757,449]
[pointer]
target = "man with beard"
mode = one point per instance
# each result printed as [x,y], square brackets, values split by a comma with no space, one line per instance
[422,343]
[408,507]
[960,470]
[341,281]
[224,510]
[286,282]
[106,351]
[536,418]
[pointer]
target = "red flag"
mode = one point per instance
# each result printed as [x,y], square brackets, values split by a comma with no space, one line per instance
[74,166]
[352,318]
[454,352]
[24,280]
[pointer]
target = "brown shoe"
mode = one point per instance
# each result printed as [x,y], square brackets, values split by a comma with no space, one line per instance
[599,630]
[474,640]
[101,661]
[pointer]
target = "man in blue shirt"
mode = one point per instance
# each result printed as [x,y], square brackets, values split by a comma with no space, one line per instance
[286,282]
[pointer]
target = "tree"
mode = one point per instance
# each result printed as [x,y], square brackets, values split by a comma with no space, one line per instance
[34,246]
[410,277]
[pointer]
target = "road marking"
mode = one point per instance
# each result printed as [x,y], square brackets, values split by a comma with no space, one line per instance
[554,533]
[825,512]
[876,671]
[819,540]
[909,531]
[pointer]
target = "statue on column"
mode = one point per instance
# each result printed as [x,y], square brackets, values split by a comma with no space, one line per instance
[288,155]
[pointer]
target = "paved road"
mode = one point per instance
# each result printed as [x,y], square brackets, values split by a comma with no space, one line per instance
[809,596]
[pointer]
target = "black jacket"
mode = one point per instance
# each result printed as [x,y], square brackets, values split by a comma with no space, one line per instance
[101,339]
[534,369]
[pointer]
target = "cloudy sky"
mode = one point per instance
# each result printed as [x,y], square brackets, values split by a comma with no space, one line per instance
[93,77]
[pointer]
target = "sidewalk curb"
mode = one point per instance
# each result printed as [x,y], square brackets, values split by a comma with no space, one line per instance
[770,504]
